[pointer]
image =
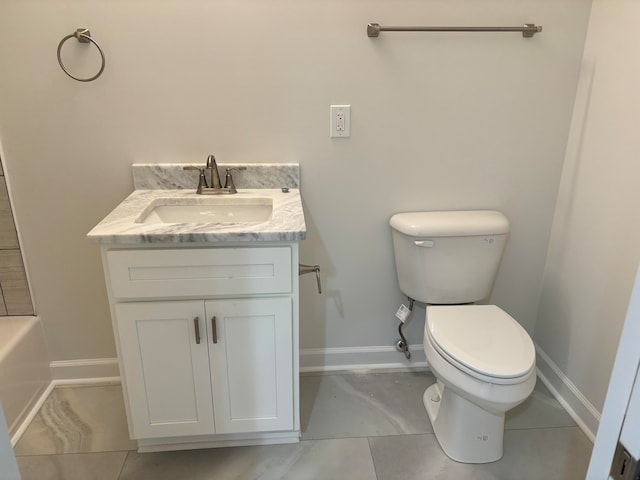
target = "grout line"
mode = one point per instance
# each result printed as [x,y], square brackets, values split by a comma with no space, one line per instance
[4,301]
[375,470]
[126,457]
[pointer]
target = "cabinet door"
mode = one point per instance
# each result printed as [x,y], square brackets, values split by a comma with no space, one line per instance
[251,364]
[166,370]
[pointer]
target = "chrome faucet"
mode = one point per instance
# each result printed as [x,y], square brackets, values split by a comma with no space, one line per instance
[216,187]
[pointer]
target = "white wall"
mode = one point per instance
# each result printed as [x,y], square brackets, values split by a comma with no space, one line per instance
[595,244]
[439,121]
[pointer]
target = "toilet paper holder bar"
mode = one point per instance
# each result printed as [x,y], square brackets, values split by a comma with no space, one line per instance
[304,269]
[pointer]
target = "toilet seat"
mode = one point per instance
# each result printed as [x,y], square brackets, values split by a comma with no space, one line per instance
[481,340]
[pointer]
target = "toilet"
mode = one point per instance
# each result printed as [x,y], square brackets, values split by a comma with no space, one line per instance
[483,360]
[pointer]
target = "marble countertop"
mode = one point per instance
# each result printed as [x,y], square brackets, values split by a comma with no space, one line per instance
[155,183]
[120,226]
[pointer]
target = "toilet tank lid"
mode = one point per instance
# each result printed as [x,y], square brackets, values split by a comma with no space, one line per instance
[459,223]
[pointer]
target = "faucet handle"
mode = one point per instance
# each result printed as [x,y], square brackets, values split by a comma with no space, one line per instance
[202,180]
[228,181]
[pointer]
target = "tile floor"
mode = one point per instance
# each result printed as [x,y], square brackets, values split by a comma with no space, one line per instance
[367,426]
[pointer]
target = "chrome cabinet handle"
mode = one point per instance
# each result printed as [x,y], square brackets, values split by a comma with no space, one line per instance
[196,324]
[214,330]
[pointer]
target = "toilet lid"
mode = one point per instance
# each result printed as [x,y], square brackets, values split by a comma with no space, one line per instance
[481,338]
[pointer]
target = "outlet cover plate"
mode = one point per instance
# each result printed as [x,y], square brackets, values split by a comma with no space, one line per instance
[340,121]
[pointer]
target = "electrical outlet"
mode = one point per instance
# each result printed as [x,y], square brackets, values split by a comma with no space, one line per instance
[340,121]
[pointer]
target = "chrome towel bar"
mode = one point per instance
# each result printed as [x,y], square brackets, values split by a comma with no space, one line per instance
[528,30]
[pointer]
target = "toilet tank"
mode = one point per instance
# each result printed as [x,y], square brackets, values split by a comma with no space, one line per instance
[448,257]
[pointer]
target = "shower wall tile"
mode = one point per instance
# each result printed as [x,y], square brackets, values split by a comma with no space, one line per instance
[8,236]
[15,298]
[13,280]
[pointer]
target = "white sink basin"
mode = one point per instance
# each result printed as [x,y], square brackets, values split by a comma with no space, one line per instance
[209,210]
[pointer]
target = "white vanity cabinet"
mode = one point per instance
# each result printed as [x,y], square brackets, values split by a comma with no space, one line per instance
[207,342]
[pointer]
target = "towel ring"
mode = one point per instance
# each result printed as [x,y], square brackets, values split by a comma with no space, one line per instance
[84,36]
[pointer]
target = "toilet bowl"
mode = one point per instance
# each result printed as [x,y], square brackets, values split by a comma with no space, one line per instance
[484,362]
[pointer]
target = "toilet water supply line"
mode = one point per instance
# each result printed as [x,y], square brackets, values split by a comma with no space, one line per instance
[403,314]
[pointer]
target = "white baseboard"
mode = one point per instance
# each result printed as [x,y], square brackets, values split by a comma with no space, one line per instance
[71,372]
[35,408]
[360,358]
[87,370]
[570,397]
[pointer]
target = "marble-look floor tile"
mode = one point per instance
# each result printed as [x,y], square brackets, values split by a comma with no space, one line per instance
[532,454]
[540,410]
[82,466]
[307,460]
[387,407]
[78,420]
[342,406]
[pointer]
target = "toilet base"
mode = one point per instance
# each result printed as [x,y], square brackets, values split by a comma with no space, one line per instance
[466,432]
